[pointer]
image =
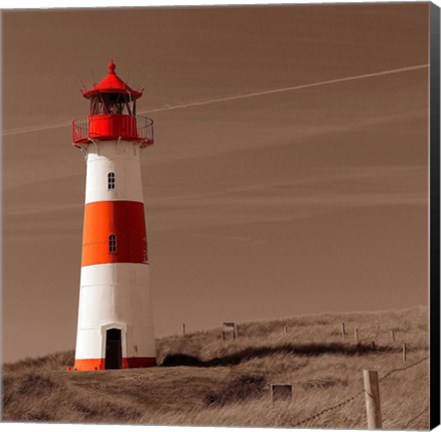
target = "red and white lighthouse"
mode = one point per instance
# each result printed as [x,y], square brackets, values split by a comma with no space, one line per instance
[115,325]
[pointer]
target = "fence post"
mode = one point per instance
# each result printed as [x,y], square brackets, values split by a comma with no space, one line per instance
[392,333]
[356,335]
[372,394]
[404,353]
[286,330]
[343,330]
[183,329]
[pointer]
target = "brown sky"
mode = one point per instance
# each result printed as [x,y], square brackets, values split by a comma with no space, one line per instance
[301,201]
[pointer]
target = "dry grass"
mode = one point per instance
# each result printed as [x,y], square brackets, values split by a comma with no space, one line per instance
[204,380]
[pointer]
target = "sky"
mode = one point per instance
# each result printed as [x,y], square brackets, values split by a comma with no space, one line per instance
[289,173]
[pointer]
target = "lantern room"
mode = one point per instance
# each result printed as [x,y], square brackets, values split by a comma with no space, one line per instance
[112,113]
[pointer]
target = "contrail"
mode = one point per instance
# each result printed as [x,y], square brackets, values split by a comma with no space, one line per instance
[237,97]
[286,89]
[36,128]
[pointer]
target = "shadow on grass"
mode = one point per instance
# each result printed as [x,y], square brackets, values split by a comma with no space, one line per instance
[251,353]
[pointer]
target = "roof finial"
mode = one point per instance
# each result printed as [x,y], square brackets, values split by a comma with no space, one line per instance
[112,66]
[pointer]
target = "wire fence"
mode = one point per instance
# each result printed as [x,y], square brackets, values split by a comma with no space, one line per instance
[361,392]
[402,369]
[332,408]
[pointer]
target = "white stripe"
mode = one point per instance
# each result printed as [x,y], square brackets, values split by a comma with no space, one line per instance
[231,98]
[123,159]
[115,295]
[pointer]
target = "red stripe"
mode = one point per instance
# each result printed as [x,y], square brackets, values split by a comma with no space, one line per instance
[125,220]
[127,363]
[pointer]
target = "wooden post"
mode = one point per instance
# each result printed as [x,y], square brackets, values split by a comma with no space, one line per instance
[183,329]
[392,333]
[404,353]
[286,330]
[373,345]
[356,335]
[343,330]
[372,394]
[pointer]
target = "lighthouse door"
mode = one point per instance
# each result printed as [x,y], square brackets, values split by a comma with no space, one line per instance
[113,349]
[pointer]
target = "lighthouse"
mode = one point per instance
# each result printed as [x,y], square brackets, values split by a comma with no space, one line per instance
[115,325]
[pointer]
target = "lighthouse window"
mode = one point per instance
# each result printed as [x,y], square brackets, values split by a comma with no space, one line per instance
[112,243]
[111,180]
[114,102]
[97,105]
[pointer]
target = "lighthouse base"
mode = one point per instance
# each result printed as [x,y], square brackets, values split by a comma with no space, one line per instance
[126,363]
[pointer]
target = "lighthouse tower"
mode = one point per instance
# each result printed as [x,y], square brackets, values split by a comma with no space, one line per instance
[115,326]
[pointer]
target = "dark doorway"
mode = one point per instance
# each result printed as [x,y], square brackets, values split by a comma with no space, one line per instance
[113,349]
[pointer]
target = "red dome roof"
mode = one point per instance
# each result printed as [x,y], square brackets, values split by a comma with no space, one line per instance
[112,84]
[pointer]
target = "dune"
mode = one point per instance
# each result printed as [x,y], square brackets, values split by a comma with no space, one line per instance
[205,380]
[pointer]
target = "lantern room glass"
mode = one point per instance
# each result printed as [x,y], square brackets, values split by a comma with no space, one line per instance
[112,103]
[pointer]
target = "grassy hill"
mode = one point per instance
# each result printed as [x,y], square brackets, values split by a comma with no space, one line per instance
[203,380]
